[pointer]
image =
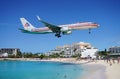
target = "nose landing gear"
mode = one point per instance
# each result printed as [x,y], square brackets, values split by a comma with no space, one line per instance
[89,31]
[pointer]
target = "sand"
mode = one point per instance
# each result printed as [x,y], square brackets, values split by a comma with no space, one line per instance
[113,71]
[102,70]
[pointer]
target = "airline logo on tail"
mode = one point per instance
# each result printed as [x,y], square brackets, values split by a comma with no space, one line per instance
[27,25]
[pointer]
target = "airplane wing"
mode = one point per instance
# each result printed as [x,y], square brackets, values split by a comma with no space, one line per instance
[54,28]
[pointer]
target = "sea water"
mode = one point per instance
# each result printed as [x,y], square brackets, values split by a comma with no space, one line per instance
[39,70]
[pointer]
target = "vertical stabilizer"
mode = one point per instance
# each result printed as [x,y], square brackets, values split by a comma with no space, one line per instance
[27,25]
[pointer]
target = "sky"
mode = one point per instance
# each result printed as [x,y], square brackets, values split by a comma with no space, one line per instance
[104,12]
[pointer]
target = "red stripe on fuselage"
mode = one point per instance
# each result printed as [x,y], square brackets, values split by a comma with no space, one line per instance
[73,26]
[82,25]
[41,29]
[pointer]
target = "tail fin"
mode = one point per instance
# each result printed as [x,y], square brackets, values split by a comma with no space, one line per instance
[27,25]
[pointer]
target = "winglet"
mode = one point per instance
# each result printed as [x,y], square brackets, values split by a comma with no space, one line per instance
[38,17]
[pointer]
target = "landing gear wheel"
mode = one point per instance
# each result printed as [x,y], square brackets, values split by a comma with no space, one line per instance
[58,35]
[89,31]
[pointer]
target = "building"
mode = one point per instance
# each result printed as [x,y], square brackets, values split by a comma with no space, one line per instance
[89,52]
[85,49]
[5,52]
[114,51]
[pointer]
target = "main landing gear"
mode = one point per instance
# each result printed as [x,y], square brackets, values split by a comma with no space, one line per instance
[58,34]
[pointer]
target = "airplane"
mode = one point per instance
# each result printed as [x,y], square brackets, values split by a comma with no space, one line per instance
[57,29]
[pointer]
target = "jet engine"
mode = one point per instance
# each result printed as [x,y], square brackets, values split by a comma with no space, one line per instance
[64,29]
[67,32]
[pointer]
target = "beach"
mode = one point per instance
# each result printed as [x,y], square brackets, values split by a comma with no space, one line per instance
[102,70]
[94,70]
[113,71]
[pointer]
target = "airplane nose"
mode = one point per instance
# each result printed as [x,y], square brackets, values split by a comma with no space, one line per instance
[97,24]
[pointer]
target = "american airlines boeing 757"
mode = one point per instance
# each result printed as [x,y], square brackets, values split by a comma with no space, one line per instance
[57,29]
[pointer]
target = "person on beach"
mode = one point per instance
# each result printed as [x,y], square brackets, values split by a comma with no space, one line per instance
[105,58]
[113,60]
[118,60]
[88,58]
[94,59]
[108,60]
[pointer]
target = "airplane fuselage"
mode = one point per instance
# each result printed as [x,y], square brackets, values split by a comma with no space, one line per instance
[57,29]
[67,27]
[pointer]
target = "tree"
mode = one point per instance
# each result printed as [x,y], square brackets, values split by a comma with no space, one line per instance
[77,55]
[55,55]
[28,55]
[62,52]
[103,53]
[35,55]
[42,56]
[19,54]
[11,56]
